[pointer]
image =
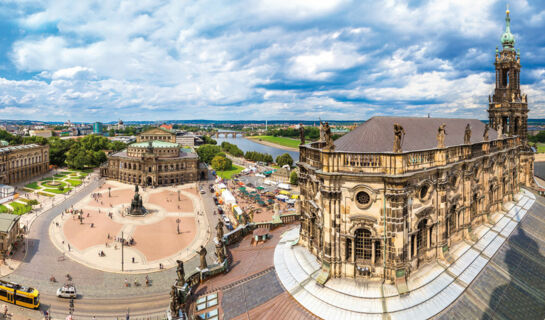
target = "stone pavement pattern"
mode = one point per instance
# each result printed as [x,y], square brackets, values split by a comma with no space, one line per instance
[157,241]
[99,290]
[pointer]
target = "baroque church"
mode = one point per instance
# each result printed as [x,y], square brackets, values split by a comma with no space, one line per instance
[398,192]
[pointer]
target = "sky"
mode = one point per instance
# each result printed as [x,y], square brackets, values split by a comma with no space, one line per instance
[260,59]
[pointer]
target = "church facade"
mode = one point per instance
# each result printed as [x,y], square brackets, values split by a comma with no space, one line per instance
[398,192]
[155,159]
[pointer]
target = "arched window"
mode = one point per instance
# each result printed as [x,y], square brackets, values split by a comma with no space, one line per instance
[421,241]
[363,244]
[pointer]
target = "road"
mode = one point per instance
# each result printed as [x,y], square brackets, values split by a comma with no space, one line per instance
[102,294]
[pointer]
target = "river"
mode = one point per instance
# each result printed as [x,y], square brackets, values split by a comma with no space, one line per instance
[249,145]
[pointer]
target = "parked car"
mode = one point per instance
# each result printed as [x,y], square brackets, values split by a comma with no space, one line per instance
[220,210]
[67,291]
[216,200]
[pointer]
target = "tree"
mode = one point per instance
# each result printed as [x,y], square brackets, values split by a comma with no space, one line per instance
[284,159]
[294,179]
[221,163]
[232,149]
[208,140]
[207,152]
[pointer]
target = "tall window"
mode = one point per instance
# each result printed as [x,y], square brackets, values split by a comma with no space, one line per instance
[348,249]
[363,244]
[421,235]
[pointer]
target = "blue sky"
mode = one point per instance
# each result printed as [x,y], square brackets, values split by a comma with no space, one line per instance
[261,59]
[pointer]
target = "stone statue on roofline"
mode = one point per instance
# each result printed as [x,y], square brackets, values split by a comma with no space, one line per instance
[441,133]
[220,254]
[174,301]
[399,134]
[485,134]
[302,133]
[500,131]
[467,134]
[202,253]
[219,230]
[180,272]
[325,134]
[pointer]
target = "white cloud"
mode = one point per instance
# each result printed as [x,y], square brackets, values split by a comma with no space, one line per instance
[156,59]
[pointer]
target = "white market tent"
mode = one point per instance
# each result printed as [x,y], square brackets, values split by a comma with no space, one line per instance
[284,186]
[228,197]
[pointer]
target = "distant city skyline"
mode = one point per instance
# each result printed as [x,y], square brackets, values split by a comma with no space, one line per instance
[257,60]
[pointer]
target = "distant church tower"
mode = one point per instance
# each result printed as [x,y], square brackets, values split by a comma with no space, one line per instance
[508,106]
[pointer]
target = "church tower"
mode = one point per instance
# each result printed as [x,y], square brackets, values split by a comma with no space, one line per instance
[508,107]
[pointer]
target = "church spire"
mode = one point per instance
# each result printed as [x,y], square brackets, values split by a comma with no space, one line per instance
[507,38]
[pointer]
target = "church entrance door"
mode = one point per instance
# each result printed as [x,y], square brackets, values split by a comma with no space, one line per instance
[149,181]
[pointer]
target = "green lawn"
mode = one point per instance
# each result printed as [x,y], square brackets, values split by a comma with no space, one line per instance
[46,179]
[286,142]
[46,184]
[57,191]
[19,208]
[3,209]
[74,183]
[540,147]
[46,194]
[227,174]
[33,185]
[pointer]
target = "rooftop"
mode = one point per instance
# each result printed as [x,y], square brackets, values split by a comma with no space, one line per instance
[377,134]
[155,144]
[7,221]
[19,147]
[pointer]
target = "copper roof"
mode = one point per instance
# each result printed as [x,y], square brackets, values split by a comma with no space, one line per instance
[377,134]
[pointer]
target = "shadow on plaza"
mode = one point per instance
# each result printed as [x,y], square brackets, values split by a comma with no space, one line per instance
[517,299]
[32,248]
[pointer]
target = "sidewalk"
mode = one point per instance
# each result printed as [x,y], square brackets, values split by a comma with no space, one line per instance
[27,219]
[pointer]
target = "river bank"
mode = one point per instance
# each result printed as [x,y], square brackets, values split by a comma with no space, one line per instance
[271,144]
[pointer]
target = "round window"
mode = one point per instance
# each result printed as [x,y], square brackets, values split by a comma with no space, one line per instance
[363,197]
[424,191]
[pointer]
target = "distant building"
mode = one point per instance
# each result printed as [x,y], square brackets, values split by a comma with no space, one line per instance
[120,125]
[83,131]
[124,139]
[154,160]
[166,126]
[41,133]
[189,140]
[97,127]
[9,232]
[22,162]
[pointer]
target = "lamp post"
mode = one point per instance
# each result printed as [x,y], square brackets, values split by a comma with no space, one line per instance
[109,194]
[122,246]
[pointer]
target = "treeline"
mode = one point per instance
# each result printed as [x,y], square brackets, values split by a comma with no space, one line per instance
[257,156]
[540,137]
[86,152]
[311,133]
[231,149]
[207,152]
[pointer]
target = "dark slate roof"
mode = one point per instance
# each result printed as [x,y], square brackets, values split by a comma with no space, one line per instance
[377,134]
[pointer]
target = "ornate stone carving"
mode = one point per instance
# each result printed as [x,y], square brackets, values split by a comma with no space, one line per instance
[467,134]
[399,133]
[441,132]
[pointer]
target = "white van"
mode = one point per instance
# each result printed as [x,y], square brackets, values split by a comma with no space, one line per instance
[67,291]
